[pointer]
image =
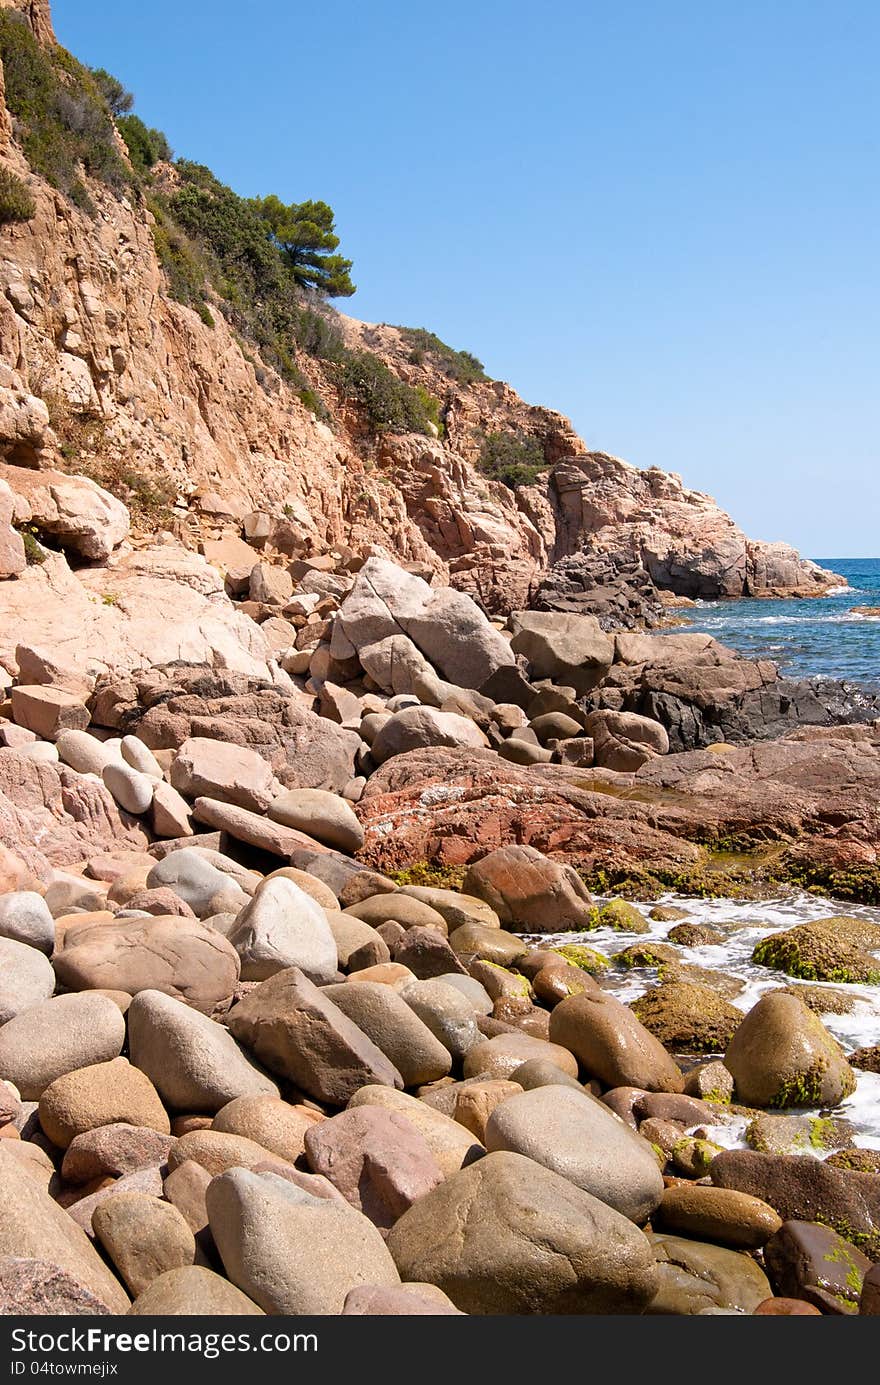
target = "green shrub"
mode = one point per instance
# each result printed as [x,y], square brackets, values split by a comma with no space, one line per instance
[145,147]
[389,405]
[460,366]
[33,552]
[61,116]
[516,459]
[119,101]
[16,201]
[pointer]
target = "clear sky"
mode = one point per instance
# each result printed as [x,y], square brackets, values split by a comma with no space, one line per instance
[659,218]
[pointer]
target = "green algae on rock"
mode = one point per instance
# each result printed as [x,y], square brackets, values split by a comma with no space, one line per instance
[832,949]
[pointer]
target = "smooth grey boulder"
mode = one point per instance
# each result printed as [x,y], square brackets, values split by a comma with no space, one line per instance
[25,917]
[507,1236]
[26,978]
[576,1136]
[58,1036]
[194,1062]
[195,879]
[282,927]
[291,1252]
[448,1014]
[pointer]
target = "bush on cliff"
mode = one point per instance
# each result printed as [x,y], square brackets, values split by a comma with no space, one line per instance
[61,116]
[388,404]
[460,366]
[146,147]
[516,459]
[16,201]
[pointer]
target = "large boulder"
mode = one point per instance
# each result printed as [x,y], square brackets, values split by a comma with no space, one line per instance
[529,892]
[26,978]
[75,510]
[102,1094]
[508,1236]
[193,1291]
[60,1035]
[217,769]
[571,649]
[184,958]
[283,927]
[782,1055]
[696,1277]
[299,1033]
[33,1226]
[624,740]
[290,1252]
[395,1028]
[451,1144]
[577,1136]
[612,1044]
[326,816]
[376,1158]
[195,1063]
[417,727]
[444,624]
[832,949]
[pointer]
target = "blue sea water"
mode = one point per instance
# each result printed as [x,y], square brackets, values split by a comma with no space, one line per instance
[816,636]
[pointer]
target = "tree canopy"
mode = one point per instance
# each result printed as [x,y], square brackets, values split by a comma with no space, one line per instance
[305,234]
[114,93]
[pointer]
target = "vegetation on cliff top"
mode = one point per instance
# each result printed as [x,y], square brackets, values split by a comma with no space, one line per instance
[517,459]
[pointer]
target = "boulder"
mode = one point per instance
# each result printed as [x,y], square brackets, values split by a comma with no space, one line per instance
[218,769]
[183,958]
[443,623]
[455,908]
[34,1227]
[283,927]
[782,1055]
[696,1277]
[450,1143]
[445,1011]
[290,1252]
[193,1291]
[404,1301]
[577,1137]
[59,1036]
[26,978]
[194,875]
[417,727]
[722,1215]
[48,711]
[612,1044]
[832,949]
[143,1237]
[320,814]
[688,1018]
[808,1261]
[395,1028]
[624,741]
[570,649]
[26,918]
[508,1236]
[35,1288]
[298,1032]
[501,1055]
[195,1063]
[267,1120]
[102,1094]
[376,1158]
[112,1151]
[529,892]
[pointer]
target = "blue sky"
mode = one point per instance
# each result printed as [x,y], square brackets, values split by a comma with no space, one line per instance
[660,219]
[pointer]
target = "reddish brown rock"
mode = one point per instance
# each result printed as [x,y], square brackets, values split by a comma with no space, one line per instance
[376,1158]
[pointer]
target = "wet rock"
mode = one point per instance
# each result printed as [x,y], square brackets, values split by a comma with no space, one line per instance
[692,934]
[717,1214]
[695,1276]
[612,1044]
[808,1261]
[508,1236]
[782,1055]
[688,1018]
[798,1134]
[709,1081]
[807,1190]
[833,949]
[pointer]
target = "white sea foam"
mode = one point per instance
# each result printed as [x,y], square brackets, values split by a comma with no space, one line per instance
[755,920]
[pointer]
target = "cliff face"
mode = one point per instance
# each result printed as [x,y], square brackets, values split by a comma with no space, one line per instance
[104,374]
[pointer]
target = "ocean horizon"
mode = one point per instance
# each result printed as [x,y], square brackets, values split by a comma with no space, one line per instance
[821,636]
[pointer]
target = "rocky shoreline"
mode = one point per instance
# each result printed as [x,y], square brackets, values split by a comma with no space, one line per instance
[280,921]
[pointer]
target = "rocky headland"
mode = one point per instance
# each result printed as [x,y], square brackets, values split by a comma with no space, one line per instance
[339,780]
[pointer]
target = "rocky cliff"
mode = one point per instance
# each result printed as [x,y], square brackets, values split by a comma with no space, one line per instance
[104,375]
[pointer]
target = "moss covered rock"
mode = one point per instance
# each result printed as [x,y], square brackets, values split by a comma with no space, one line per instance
[649,954]
[857,1160]
[792,1134]
[694,935]
[586,958]
[866,1059]
[619,914]
[832,949]
[823,1000]
[687,1018]
[667,913]
[782,1055]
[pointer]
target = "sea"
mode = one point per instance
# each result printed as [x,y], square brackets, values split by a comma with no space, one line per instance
[821,636]
[817,636]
